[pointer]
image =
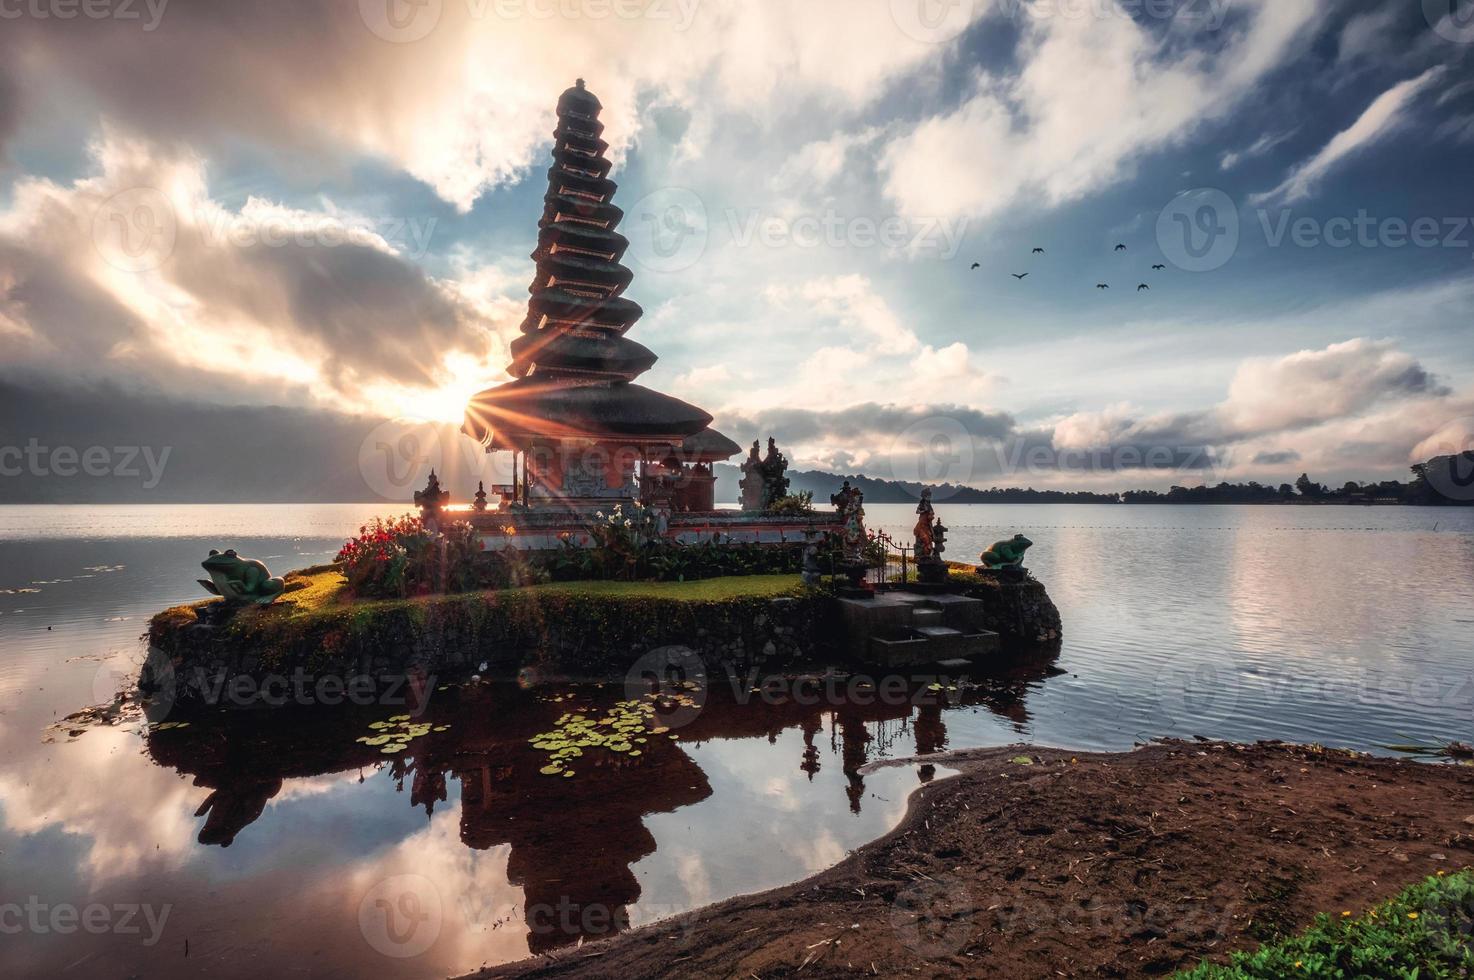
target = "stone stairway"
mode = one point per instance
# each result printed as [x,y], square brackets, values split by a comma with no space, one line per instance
[898,629]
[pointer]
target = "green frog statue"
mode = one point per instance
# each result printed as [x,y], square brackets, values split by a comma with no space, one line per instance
[240,581]
[1007,554]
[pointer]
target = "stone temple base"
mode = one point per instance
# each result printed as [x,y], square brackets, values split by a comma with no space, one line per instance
[545,529]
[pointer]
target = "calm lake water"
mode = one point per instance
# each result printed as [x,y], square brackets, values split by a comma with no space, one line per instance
[266,844]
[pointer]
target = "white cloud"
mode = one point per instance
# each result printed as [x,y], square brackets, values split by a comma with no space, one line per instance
[1092,96]
[1315,386]
[468,106]
[1380,118]
[852,302]
[136,272]
[1258,148]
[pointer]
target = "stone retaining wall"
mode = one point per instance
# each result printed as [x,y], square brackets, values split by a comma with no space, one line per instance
[451,638]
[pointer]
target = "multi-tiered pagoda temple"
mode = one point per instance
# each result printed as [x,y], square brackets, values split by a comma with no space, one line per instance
[585,435]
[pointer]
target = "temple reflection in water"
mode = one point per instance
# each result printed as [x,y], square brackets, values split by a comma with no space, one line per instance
[572,842]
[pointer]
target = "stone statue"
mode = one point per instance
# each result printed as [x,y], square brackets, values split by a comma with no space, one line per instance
[430,500]
[1007,554]
[240,581]
[850,502]
[774,470]
[752,480]
[480,502]
[939,539]
[925,545]
[811,573]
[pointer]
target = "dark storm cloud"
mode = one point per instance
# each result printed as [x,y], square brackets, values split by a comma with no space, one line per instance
[218,67]
[1277,458]
[72,317]
[373,313]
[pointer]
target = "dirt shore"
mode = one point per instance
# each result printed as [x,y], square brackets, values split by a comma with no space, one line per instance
[1120,865]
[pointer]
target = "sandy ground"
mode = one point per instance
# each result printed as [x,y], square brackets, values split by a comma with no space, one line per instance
[1119,865]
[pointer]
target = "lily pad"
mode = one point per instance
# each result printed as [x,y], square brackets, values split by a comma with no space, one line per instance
[393,747]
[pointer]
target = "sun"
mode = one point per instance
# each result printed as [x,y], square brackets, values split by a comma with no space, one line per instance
[460,378]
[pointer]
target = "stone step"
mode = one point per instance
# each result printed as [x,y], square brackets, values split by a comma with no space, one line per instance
[931,645]
[923,617]
[938,632]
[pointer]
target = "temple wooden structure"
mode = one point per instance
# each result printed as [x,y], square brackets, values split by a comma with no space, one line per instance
[584,436]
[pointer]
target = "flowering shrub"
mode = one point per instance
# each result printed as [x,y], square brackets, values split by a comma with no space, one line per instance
[400,556]
[621,539]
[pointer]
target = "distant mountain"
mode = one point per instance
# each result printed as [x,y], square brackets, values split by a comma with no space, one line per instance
[878,491]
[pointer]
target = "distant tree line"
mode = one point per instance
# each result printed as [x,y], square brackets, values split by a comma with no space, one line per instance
[1450,476]
[1419,491]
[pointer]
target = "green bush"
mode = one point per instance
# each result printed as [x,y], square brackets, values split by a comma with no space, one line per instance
[1425,933]
[795,503]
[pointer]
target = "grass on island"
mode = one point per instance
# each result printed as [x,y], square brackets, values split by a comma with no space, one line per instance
[1426,932]
[326,588]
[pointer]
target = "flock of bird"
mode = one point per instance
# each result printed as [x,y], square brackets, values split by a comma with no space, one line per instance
[1021,276]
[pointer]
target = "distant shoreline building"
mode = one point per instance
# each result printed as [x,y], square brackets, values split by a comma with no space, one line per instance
[584,437]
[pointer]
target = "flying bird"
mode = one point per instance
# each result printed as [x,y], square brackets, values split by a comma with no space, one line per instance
[1020,276]
[1120,248]
[1038,251]
[1142,286]
[1158,268]
[977,265]
[1101,285]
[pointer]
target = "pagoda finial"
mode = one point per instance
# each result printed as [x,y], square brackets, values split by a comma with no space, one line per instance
[578,82]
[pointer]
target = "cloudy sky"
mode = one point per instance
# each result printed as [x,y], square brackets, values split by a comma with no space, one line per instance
[327,206]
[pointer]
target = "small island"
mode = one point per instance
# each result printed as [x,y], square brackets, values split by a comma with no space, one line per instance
[607,544]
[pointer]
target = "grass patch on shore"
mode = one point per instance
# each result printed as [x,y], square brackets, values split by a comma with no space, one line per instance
[700,590]
[1426,932]
[325,588]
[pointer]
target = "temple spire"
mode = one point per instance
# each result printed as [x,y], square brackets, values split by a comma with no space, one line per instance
[572,409]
